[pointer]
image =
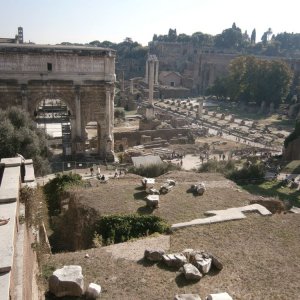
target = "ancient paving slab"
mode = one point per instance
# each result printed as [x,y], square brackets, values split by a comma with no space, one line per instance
[7,234]
[11,162]
[295,210]
[29,173]
[135,250]
[229,214]
[4,285]
[9,189]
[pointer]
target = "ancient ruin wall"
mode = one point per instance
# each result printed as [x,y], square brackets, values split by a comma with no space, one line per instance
[134,138]
[201,65]
[292,152]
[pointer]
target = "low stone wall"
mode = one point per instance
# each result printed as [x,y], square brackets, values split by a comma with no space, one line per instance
[16,277]
[134,138]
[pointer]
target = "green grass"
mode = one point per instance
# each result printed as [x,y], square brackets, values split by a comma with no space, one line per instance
[292,168]
[274,189]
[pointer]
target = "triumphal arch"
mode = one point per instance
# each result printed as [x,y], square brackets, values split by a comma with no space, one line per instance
[82,77]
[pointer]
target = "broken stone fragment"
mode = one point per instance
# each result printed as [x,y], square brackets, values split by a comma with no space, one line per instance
[191,272]
[187,253]
[187,297]
[67,281]
[174,260]
[194,254]
[93,291]
[219,296]
[216,262]
[152,201]
[154,255]
[203,264]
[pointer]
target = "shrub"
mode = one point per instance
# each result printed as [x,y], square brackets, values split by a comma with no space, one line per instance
[119,113]
[54,188]
[121,228]
[247,173]
[153,170]
[224,167]
[36,211]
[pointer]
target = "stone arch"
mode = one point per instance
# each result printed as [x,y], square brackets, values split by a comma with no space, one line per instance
[36,97]
[82,77]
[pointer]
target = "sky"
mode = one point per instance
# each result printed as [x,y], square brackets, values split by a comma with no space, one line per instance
[83,21]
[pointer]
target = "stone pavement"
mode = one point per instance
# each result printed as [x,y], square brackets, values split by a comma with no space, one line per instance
[229,214]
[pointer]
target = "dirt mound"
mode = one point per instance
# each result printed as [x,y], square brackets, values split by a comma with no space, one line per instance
[275,206]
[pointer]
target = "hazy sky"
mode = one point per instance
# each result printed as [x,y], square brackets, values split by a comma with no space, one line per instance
[81,21]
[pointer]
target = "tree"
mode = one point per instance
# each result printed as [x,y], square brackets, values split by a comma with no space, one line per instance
[266,36]
[253,37]
[255,80]
[172,35]
[18,134]
[229,38]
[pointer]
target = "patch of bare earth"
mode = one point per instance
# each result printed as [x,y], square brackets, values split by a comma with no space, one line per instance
[261,255]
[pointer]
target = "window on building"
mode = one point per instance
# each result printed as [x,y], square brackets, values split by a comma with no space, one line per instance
[172,83]
[49,66]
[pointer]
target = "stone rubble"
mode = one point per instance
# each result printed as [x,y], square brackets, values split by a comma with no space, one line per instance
[67,281]
[154,255]
[219,296]
[152,201]
[93,291]
[191,272]
[167,186]
[198,188]
[174,260]
[194,264]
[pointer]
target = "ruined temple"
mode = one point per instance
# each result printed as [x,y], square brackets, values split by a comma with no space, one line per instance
[82,77]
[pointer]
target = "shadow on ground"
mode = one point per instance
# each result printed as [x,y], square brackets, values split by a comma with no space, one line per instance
[140,195]
[145,210]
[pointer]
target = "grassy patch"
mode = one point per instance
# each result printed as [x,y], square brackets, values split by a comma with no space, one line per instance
[121,228]
[292,168]
[274,189]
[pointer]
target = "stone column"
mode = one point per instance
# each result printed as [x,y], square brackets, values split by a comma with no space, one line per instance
[123,84]
[24,97]
[156,72]
[108,111]
[200,108]
[151,81]
[147,72]
[73,133]
[112,100]
[131,86]
[109,154]
[78,112]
